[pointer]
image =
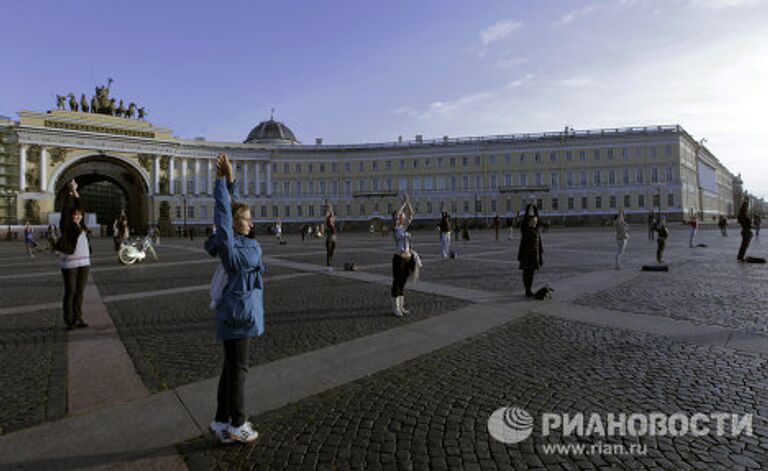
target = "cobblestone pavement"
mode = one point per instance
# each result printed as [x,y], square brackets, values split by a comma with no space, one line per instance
[172,339]
[708,287]
[32,369]
[432,412]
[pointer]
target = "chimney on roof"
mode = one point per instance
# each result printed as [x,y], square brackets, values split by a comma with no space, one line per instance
[419,138]
[318,141]
[399,139]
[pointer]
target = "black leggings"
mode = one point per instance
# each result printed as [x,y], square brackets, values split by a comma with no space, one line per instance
[746,238]
[74,285]
[330,247]
[528,279]
[401,269]
[231,396]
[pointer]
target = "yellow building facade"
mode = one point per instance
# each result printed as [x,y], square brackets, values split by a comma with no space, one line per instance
[574,176]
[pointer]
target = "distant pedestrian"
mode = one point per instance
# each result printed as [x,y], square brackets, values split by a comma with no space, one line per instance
[757,221]
[29,240]
[445,234]
[75,246]
[403,262]
[651,226]
[279,230]
[622,236]
[722,223]
[496,226]
[465,231]
[330,237]
[530,253]
[661,239]
[746,229]
[693,224]
[240,308]
[192,234]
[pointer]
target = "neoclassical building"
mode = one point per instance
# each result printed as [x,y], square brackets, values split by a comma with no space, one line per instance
[574,175]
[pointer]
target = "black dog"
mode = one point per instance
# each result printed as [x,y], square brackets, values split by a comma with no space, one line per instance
[543,293]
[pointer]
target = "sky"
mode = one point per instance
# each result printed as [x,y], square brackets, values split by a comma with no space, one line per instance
[356,71]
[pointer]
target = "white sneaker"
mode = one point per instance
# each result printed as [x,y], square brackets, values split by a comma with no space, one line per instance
[401,303]
[396,307]
[219,429]
[243,434]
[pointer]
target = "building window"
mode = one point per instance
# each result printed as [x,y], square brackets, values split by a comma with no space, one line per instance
[287,211]
[641,201]
[639,175]
[540,203]
[522,158]
[583,202]
[624,152]
[493,205]
[348,210]
[492,160]
[388,165]
[670,200]
[403,184]
[639,152]
[441,183]
[286,168]
[453,183]
[569,178]
[427,163]
[297,168]
[178,212]
[454,207]
[656,200]
[299,211]
[507,159]
[597,154]
[537,157]
[452,162]
[654,175]
[429,207]
[539,179]
[523,179]
[465,182]
[347,167]
[347,187]
[361,166]
[668,150]
[312,209]
[439,162]
[508,179]
[611,177]
[388,184]
[653,152]
[402,164]
[670,175]
[625,176]
[582,155]
[286,188]
[263,211]
[274,211]
[464,162]
[596,178]
[553,156]
[322,187]
[554,204]
[478,182]
[466,206]
[376,207]
[610,154]
[583,178]
[334,168]
[626,201]
[478,206]
[598,202]
[509,205]
[612,201]
[362,209]
[570,202]
[311,187]
[310,167]
[416,183]
[374,164]
[477,160]
[569,156]
[493,182]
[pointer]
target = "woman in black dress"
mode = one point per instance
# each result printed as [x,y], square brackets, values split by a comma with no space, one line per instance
[530,251]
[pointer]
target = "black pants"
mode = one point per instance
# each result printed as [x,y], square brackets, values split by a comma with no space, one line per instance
[74,285]
[661,242]
[231,396]
[330,247]
[528,280]
[746,237]
[401,269]
[651,233]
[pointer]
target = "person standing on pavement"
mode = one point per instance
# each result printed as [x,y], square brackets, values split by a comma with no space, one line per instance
[622,236]
[693,222]
[661,239]
[723,225]
[330,237]
[651,226]
[746,229]
[529,254]
[240,310]
[496,226]
[757,222]
[445,234]
[75,246]
[403,261]
[279,230]
[29,239]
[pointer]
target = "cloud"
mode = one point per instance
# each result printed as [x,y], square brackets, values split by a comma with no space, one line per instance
[499,31]
[452,107]
[577,82]
[572,15]
[506,62]
[721,4]
[521,81]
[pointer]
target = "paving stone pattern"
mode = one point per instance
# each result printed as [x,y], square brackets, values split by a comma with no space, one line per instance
[432,412]
[172,339]
[33,374]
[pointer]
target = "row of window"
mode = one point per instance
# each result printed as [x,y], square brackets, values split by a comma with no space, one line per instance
[453,162]
[553,204]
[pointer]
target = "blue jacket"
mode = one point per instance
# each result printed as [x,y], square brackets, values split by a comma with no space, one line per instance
[240,313]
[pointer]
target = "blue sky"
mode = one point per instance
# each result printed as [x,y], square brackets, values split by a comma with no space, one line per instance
[365,71]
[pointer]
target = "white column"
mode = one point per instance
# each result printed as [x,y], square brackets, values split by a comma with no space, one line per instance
[156,175]
[269,179]
[23,168]
[197,176]
[210,176]
[171,171]
[244,186]
[43,168]
[257,183]
[183,176]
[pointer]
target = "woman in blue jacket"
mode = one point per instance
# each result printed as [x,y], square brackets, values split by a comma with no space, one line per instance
[240,311]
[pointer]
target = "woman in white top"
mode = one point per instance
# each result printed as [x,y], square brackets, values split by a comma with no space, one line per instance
[622,235]
[402,261]
[74,245]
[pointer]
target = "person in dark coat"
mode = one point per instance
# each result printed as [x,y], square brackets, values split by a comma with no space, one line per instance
[530,252]
[746,229]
